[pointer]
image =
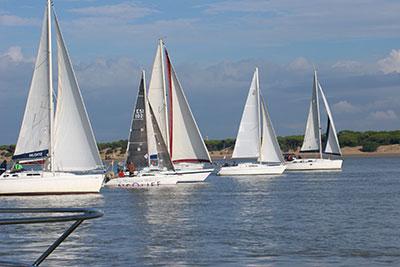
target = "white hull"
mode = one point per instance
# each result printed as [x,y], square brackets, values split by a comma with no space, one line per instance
[144,180]
[193,176]
[252,169]
[192,172]
[314,165]
[28,183]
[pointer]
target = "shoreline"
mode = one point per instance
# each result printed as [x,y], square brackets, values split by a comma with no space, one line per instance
[347,152]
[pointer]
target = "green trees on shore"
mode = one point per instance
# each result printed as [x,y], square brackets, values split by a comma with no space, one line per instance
[369,142]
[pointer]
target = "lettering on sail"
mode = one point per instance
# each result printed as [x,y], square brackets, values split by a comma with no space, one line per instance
[139,114]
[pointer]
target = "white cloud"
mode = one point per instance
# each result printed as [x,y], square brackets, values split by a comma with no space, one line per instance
[15,55]
[238,6]
[391,63]
[103,74]
[345,106]
[383,115]
[12,20]
[300,63]
[124,10]
[287,19]
[347,65]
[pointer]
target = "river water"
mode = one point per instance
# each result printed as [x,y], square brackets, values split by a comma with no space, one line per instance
[348,218]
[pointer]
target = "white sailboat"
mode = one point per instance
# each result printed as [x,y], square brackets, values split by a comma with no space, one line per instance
[313,141]
[256,139]
[145,137]
[63,140]
[179,129]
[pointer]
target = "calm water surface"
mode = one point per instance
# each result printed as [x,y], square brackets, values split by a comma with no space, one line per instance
[297,219]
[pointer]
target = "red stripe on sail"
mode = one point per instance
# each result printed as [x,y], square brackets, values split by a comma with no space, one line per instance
[40,161]
[191,160]
[170,101]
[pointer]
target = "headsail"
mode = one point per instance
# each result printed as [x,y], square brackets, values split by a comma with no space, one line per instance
[332,143]
[137,150]
[151,142]
[164,160]
[75,147]
[248,138]
[270,150]
[157,92]
[186,143]
[34,136]
[312,136]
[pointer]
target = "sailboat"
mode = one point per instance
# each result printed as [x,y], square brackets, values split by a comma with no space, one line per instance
[145,137]
[312,138]
[256,139]
[178,127]
[62,140]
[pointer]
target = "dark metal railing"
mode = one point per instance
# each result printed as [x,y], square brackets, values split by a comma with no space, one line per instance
[79,215]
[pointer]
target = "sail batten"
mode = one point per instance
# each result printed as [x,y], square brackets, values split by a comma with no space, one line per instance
[75,147]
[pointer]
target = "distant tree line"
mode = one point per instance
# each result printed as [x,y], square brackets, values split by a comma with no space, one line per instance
[7,150]
[369,142]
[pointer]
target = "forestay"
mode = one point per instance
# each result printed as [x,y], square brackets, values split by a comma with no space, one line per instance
[332,143]
[75,147]
[137,150]
[186,143]
[34,136]
[312,136]
[270,150]
[248,138]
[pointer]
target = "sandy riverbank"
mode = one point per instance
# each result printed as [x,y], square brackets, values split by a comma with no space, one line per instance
[382,151]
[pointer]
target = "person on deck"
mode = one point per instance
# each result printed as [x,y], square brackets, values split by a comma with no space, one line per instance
[131,168]
[17,167]
[3,167]
[121,173]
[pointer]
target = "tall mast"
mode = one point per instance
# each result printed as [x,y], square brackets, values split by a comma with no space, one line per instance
[147,113]
[319,120]
[51,109]
[258,114]
[170,111]
[161,46]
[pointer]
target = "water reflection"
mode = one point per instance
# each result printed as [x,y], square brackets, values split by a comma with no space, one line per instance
[298,219]
[30,240]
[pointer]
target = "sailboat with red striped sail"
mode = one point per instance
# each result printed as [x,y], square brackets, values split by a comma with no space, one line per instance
[178,127]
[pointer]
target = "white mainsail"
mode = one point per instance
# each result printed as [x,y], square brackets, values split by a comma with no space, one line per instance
[157,92]
[270,150]
[75,147]
[186,143]
[247,143]
[332,143]
[312,136]
[34,136]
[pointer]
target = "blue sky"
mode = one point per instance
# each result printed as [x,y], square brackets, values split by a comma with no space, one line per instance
[215,46]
